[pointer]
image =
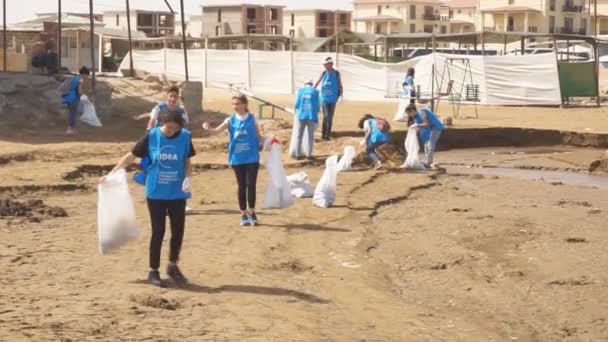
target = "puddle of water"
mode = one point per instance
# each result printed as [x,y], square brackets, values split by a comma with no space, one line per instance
[569,178]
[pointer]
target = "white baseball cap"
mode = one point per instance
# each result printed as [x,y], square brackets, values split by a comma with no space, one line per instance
[328,60]
[310,81]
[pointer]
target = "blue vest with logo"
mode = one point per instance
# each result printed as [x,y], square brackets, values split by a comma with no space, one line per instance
[166,172]
[308,104]
[73,92]
[330,90]
[244,141]
[163,106]
[435,124]
[376,135]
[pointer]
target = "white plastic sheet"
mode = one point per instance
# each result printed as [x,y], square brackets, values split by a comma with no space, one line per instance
[346,161]
[401,115]
[325,192]
[89,115]
[300,185]
[412,161]
[278,191]
[116,221]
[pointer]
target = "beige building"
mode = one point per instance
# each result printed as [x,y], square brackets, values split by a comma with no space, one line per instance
[315,23]
[602,18]
[399,16]
[462,15]
[152,23]
[220,20]
[542,16]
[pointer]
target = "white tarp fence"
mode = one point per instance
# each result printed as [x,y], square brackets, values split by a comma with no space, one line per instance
[502,80]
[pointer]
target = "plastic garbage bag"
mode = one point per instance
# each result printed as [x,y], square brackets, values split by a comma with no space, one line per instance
[116,221]
[401,115]
[89,115]
[346,161]
[278,191]
[412,148]
[300,185]
[293,145]
[325,192]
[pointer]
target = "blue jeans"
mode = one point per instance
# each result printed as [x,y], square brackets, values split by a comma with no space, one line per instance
[328,118]
[371,151]
[72,112]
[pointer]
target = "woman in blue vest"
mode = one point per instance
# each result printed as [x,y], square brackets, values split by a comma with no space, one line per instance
[429,128]
[172,103]
[168,184]
[376,134]
[307,114]
[243,155]
[331,91]
[72,98]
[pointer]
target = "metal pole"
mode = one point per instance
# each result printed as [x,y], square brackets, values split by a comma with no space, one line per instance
[595,20]
[483,44]
[206,60]
[248,60]
[181,4]
[596,52]
[4,34]
[92,38]
[561,105]
[131,72]
[59,35]
[523,45]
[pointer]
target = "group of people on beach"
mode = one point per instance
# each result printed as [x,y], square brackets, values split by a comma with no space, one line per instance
[167,149]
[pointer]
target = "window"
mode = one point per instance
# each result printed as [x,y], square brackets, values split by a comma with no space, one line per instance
[428,28]
[343,19]
[293,19]
[551,5]
[379,9]
[568,24]
[145,19]
[552,24]
[165,21]
[459,11]
[251,14]
[378,28]
[273,29]
[323,19]
[219,15]
[274,14]
[323,32]
[444,29]
[292,33]
[218,30]
[428,11]
[584,25]
[511,2]
[117,20]
[251,28]
[413,12]
[412,28]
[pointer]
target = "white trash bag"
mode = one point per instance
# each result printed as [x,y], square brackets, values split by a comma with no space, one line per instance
[293,145]
[278,192]
[412,148]
[300,185]
[401,115]
[346,161]
[89,115]
[325,192]
[116,221]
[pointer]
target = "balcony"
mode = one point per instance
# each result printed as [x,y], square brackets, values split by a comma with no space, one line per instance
[533,29]
[566,30]
[573,8]
[431,17]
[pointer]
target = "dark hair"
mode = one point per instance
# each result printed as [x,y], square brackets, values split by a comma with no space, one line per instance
[173,89]
[171,115]
[411,108]
[411,72]
[242,99]
[364,118]
[84,71]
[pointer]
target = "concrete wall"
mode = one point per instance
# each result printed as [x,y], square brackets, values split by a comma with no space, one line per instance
[19,43]
[304,23]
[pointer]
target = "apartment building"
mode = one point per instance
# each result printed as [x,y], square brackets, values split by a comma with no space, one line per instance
[399,16]
[152,23]
[601,25]
[462,15]
[220,20]
[542,16]
[315,23]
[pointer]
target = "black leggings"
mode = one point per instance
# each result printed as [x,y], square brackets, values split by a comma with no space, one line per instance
[159,209]
[246,177]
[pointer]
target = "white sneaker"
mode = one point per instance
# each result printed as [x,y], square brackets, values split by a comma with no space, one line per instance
[189,210]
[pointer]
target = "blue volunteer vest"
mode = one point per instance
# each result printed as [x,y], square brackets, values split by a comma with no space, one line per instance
[166,172]
[377,136]
[244,141]
[435,124]
[73,92]
[308,98]
[165,107]
[330,90]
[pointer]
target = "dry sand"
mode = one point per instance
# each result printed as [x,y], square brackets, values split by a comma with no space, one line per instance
[400,257]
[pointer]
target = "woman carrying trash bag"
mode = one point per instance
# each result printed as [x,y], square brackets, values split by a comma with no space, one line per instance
[243,154]
[168,184]
[429,128]
[376,134]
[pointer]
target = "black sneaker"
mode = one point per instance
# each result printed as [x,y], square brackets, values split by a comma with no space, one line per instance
[253,219]
[177,275]
[310,158]
[154,279]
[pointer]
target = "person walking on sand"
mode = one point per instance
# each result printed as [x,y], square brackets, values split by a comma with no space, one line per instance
[376,134]
[168,185]
[72,98]
[331,92]
[429,128]
[171,103]
[307,114]
[243,155]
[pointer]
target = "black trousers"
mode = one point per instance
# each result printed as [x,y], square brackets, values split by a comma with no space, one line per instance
[159,209]
[246,178]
